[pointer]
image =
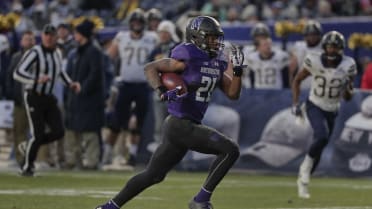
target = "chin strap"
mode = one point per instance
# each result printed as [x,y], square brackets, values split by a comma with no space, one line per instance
[333,61]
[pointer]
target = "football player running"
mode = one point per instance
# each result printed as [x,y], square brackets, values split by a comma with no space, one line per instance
[333,74]
[202,68]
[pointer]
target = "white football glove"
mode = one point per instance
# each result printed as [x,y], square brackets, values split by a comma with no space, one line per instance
[237,59]
[236,56]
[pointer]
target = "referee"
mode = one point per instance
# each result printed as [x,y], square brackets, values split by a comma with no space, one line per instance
[38,70]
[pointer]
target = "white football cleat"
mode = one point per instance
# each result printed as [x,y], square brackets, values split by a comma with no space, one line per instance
[303,190]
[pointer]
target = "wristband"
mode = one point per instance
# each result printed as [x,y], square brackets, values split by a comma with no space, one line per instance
[237,71]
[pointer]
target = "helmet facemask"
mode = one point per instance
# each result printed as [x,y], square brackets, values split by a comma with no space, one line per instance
[333,44]
[137,21]
[210,43]
[312,33]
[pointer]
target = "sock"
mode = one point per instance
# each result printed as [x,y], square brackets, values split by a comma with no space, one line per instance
[305,169]
[111,204]
[107,153]
[203,195]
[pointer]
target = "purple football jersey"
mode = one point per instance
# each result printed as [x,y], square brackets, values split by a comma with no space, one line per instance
[202,75]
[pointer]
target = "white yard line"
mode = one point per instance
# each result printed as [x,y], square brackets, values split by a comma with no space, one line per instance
[70,192]
[341,207]
[107,193]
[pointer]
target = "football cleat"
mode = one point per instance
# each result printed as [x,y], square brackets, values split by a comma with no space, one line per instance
[200,205]
[109,205]
[303,190]
[27,173]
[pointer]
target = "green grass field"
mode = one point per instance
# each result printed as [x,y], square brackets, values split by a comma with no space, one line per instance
[84,190]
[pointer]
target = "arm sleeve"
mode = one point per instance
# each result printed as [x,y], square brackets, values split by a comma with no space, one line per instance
[22,73]
[307,64]
[181,53]
[63,75]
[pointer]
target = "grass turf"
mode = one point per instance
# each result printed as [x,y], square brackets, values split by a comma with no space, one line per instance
[85,190]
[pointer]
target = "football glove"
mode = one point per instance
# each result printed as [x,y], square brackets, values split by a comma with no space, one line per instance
[346,85]
[237,59]
[170,95]
[296,110]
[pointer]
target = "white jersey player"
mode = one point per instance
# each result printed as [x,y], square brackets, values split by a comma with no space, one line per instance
[311,43]
[328,83]
[132,48]
[333,75]
[259,30]
[269,66]
[133,54]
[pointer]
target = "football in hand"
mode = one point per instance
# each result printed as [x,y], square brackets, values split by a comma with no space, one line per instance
[172,80]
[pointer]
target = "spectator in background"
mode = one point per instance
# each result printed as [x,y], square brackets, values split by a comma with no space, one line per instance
[65,41]
[15,93]
[39,13]
[366,7]
[250,14]
[84,111]
[275,13]
[60,11]
[232,17]
[167,40]
[309,8]
[25,22]
[4,6]
[4,61]
[325,9]
[125,7]
[153,17]
[290,9]
[214,8]
[367,77]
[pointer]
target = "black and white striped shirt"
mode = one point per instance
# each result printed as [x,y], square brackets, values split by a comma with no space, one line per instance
[39,61]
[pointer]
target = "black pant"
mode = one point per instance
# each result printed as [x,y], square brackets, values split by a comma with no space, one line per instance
[179,136]
[42,113]
[128,93]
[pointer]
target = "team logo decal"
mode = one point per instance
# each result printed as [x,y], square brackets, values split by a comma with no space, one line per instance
[196,23]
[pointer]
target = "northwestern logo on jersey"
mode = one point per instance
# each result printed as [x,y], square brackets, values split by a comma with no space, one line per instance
[210,71]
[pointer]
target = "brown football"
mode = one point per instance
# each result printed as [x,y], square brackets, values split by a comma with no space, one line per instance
[172,80]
